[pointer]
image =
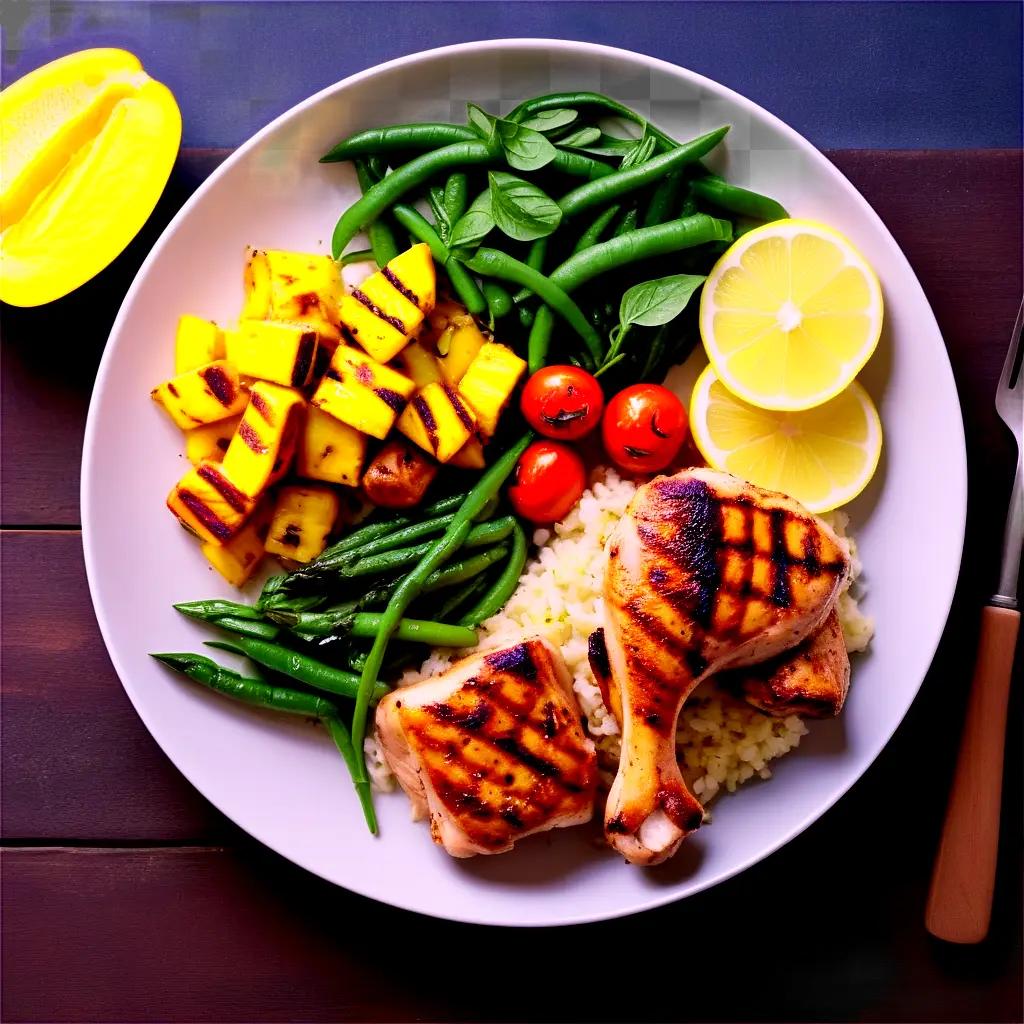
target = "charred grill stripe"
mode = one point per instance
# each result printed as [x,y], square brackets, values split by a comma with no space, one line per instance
[205,515]
[457,404]
[550,721]
[252,440]
[261,405]
[400,286]
[173,390]
[224,487]
[304,359]
[392,399]
[474,719]
[220,384]
[426,415]
[516,750]
[514,660]
[597,654]
[510,816]
[782,594]
[392,321]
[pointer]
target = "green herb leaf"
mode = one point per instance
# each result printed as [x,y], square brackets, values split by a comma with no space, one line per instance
[521,210]
[550,120]
[475,224]
[653,303]
[435,197]
[525,149]
[480,121]
[581,138]
[640,153]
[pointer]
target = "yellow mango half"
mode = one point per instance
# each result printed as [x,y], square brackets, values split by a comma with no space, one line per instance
[88,144]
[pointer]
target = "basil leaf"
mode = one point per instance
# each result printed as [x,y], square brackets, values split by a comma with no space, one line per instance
[521,210]
[581,137]
[611,145]
[480,121]
[435,197]
[640,153]
[525,149]
[475,224]
[549,120]
[653,303]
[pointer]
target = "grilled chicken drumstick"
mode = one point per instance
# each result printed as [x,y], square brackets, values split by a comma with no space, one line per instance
[705,572]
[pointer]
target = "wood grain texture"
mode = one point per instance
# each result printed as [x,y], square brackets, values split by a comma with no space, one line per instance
[237,934]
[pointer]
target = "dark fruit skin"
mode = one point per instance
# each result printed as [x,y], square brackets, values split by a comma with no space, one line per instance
[644,427]
[548,481]
[562,402]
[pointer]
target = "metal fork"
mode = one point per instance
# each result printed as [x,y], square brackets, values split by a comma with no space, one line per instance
[960,900]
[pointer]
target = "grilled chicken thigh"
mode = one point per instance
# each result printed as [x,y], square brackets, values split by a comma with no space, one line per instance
[705,572]
[492,750]
[811,679]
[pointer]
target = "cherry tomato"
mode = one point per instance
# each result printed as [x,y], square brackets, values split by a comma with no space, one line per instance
[549,480]
[644,427]
[563,402]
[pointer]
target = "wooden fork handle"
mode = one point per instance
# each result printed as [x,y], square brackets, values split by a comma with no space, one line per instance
[960,900]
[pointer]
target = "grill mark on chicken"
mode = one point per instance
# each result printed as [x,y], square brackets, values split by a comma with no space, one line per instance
[514,660]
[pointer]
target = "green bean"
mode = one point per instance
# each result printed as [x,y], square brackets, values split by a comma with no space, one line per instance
[323,623]
[435,634]
[663,199]
[357,256]
[403,537]
[440,552]
[467,568]
[297,666]
[246,627]
[493,263]
[579,165]
[499,302]
[738,200]
[416,224]
[388,191]
[456,195]
[628,222]
[643,243]
[504,586]
[382,238]
[388,561]
[597,228]
[460,595]
[526,316]
[396,138]
[261,694]
[535,256]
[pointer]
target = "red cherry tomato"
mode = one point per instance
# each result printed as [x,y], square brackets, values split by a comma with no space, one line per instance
[549,480]
[563,402]
[644,427]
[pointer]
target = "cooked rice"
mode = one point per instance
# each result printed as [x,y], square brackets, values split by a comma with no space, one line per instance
[722,742]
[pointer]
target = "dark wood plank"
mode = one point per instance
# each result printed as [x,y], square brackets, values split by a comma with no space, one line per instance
[77,761]
[957,216]
[232,935]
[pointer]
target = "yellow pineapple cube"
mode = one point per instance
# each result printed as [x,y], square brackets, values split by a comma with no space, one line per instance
[330,450]
[196,343]
[361,392]
[420,365]
[470,455]
[272,350]
[239,558]
[302,522]
[210,441]
[489,382]
[264,443]
[293,286]
[438,420]
[205,394]
[210,504]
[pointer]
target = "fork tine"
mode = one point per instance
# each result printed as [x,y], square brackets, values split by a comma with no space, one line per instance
[1011,357]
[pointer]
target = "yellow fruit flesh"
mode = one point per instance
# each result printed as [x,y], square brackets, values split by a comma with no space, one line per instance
[89,142]
[303,520]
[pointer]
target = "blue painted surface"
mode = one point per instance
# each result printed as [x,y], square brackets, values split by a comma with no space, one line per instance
[873,75]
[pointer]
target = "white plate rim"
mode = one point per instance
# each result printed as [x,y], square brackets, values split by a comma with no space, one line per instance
[955,468]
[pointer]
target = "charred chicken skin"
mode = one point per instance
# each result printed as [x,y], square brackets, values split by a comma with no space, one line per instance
[493,749]
[705,572]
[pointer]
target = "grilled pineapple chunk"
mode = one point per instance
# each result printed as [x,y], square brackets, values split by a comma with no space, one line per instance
[455,335]
[293,286]
[387,309]
[362,393]
[470,455]
[210,441]
[210,504]
[303,520]
[272,350]
[330,450]
[489,382]
[420,365]
[240,557]
[261,450]
[196,343]
[438,420]
[204,395]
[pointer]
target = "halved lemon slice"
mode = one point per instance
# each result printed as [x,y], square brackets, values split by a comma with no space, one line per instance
[823,457]
[790,314]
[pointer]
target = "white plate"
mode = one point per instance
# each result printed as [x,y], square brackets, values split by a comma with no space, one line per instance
[282,781]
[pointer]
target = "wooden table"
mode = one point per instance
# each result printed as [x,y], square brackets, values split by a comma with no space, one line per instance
[127,897]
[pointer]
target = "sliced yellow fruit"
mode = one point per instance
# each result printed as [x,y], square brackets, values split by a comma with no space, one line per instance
[790,314]
[823,457]
[88,144]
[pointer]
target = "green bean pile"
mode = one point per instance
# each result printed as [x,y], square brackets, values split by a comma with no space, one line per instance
[326,628]
[584,216]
